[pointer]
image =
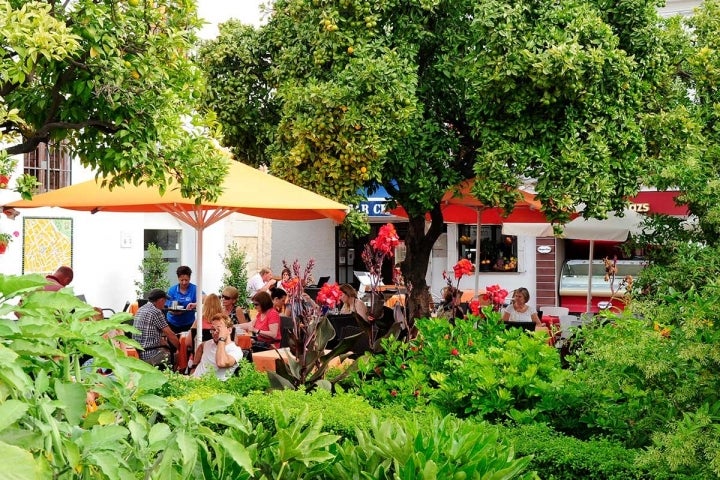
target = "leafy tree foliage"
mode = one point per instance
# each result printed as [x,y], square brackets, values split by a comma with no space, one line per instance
[686,136]
[417,95]
[115,80]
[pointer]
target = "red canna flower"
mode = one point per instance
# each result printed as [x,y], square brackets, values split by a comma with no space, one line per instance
[329,295]
[393,393]
[454,352]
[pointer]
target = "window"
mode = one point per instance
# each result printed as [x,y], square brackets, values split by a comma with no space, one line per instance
[50,165]
[498,252]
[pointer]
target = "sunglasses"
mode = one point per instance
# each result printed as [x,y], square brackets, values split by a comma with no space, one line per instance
[225,297]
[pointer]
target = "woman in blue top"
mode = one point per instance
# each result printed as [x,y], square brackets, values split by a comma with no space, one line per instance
[185,294]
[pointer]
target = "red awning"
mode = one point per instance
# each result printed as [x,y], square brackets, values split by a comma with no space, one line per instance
[658,202]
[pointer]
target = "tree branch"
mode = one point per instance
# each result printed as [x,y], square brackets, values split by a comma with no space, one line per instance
[29,144]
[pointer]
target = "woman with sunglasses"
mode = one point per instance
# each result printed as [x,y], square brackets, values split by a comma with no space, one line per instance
[229,297]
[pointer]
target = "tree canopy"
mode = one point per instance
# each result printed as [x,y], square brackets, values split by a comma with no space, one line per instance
[417,95]
[114,80]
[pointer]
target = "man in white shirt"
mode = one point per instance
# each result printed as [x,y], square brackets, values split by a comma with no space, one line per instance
[262,281]
[219,354]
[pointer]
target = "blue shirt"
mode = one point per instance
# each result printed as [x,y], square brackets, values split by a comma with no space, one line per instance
[187,318]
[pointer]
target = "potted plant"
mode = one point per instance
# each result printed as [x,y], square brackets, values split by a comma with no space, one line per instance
[5,239]
[7,168]
[154,272]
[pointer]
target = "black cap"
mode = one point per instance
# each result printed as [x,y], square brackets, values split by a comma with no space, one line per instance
[156,294]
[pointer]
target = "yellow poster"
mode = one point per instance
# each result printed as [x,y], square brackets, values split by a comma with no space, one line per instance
[47,244]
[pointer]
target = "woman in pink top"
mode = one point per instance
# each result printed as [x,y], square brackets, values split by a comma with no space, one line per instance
[266,325]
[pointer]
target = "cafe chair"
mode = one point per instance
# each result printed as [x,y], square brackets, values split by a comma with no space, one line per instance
[566,322]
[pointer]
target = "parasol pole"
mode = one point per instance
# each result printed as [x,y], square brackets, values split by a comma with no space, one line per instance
[477,252]
[590,270]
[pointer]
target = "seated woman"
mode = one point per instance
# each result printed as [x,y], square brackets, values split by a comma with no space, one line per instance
[351,302]
[236,313]
[211,306]
[265,325]
[519,310]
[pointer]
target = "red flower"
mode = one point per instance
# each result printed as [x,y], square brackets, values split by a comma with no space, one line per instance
[454,352]
[329,295]
[475,306]
[393,393]
[386,240]
[463,267]
[496,295]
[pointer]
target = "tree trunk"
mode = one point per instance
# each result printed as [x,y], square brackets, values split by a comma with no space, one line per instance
[419,244]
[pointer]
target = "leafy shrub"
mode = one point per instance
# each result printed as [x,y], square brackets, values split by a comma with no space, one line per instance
[449,449]
[341,413]
[476,367]
[689,448]
[245,380]
[235,263]
[631,377]
[560,457]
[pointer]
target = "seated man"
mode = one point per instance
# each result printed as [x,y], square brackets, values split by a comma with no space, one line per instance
[151,322]
[219,354]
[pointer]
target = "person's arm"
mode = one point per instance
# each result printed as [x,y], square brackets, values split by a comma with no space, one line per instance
[361,308]
[197,356]
[271,332]
[240,314]
[505,316]
[248,326]
[222,359]
[535,318]
[171,337]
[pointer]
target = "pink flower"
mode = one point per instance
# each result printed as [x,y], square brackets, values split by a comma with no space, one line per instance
[16,234]
[329,295]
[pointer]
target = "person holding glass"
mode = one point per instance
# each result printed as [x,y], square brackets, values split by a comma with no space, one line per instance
[266,324]
[182,301]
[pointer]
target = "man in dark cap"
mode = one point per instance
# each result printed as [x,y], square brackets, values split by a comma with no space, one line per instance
[155,333]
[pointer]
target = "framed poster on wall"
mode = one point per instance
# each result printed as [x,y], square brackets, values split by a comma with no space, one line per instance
[47,244]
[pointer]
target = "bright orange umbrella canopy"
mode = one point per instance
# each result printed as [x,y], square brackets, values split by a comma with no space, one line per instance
[245,190]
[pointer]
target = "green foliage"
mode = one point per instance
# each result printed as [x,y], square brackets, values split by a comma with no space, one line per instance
[342,413]
[235,275]
[688,448]
[565,458]
[692,267]
[154,272]
[633,377]
[116,82]
[467,370]
[245,381]
[448,449]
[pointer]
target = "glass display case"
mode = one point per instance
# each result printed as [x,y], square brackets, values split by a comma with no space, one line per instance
[574,277]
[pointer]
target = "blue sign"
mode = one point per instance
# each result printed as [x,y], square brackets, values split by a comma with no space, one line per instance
[373,208]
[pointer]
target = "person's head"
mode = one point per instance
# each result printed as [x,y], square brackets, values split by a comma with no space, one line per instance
[229,297]
[521,294]
[278,297]
[348,292]
[221,323]
[64,275]
[285,274]
[266,274]
[157,297]
[183,273]
[262,301]
[211,306]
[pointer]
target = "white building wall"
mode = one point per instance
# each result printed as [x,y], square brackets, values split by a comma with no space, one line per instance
[302,241]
